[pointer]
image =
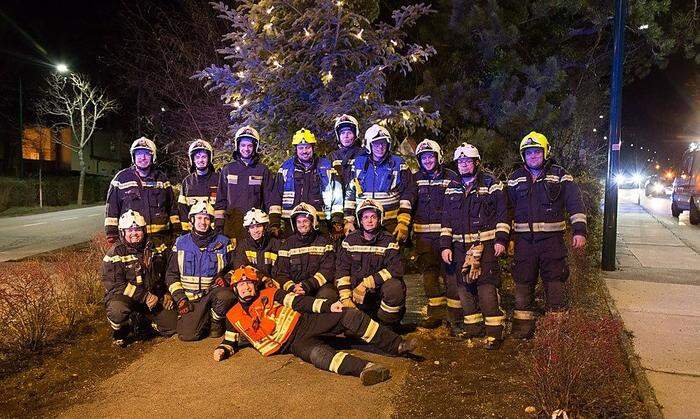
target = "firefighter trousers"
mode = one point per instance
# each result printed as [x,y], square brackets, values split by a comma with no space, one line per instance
[120,307]
[307,342]
[430,263]
[544,257]
[479,300]
[387,303]
[211,307]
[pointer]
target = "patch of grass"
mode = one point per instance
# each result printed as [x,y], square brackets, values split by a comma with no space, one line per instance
[19,211]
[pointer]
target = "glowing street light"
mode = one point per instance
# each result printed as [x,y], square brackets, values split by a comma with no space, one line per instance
[62,68]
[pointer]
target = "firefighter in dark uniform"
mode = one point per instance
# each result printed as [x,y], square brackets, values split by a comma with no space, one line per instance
[132,274]
[383,177]
[306,260]
[347,134]
[431,179]
[202,182]
[369,269]
[475,228]
[539,192]
[146,190]
[257,248]
[196,259]
[277,322]
[245,183]
[311,179]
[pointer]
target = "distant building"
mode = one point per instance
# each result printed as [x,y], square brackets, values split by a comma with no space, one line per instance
[104,155]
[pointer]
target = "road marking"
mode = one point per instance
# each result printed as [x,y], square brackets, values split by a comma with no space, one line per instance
[94,215]
[69,218]
[33,224]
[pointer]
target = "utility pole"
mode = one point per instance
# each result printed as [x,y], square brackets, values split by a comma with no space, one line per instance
[615,142]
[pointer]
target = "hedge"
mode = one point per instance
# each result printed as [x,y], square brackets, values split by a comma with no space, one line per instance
[63,190]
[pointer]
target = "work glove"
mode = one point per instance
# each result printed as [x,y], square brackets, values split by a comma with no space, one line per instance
[274,231]
[184,306]
[471,269]
[112,239]
[220,282]
[347,303]
[168,303]
[338,231]
[151,301]
[270,283]
[401,232]
[349,227]
[358,293]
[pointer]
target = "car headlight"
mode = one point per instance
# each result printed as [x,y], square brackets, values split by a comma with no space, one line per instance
[658,187]
[620,178]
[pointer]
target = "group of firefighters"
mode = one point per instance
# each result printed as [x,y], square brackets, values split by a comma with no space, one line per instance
[278,261]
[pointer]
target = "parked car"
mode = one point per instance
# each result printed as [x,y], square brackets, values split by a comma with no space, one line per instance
[657,185]
[686,186]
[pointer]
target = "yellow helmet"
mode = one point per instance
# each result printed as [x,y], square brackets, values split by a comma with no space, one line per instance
[534,140]
[303,136]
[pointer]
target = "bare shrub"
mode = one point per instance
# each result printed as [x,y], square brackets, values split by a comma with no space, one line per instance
[576,364]
[26,307]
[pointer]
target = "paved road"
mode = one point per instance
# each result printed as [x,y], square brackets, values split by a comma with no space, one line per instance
[656,289]
[32,234]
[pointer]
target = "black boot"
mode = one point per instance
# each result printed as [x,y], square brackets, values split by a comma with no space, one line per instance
[407,346]
[216,330]
[120,336]
[374,373]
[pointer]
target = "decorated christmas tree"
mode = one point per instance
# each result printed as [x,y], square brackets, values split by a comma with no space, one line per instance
[294,64]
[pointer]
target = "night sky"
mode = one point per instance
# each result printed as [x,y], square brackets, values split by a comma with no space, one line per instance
[659,112]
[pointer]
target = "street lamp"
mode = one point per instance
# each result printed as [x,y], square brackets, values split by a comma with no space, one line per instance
[62,68]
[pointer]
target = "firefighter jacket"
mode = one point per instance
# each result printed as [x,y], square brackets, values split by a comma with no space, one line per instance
[307,260]
[343,160]
[196,188]
[370,262]
[242,187]
[152,197]
[262,255]
[194,263]
[317,185]
[134,272]
[389,182]
[538,205]
[475,214]
[430,195]
[269,321]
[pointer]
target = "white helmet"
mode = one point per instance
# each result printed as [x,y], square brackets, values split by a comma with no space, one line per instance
[375,133]
[429,146]
[130,219]
[255,216]
[369,204]
[143,143]
[249,133]
[196,146]
[346,121]
[304,209]
[466,150]
[202,207]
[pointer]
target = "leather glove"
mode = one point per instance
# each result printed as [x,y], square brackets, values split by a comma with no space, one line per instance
[471,269]
[338,231]
[401,232]
[270,283]
[347,303]
[274,231]
[348,227]
[358,293]
[168,303]
[151,301]
[184,306]
[220,282]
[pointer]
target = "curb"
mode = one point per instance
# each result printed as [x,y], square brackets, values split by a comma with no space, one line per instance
[644,388]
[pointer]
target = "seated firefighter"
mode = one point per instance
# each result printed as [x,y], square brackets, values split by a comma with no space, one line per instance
[275,321]
[196,259]
[369,269]
[258,248]
[306,260]
[132,274]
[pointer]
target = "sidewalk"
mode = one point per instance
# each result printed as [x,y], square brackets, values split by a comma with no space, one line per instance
[657,292]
